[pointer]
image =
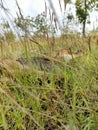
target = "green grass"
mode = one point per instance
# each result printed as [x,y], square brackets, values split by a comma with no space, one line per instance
[65,99]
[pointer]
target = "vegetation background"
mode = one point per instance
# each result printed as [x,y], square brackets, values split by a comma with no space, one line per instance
[64,97]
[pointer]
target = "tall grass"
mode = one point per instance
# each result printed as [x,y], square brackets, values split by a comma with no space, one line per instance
[64,99]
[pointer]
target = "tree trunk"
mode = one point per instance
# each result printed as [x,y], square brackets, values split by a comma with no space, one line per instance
[84,24]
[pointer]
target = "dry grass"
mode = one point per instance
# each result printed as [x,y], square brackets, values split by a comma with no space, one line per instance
[58,100]
[64,98]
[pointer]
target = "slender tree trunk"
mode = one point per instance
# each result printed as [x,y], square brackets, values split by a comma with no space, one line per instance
[84,25]
[84,22]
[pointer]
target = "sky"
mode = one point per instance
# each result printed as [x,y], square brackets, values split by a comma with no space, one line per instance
[35,7]
[32,7]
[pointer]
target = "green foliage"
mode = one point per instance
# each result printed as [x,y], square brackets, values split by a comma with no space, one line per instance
[41,25]
[81,12]
[70,17]
[25,25]
[68,23]
[38,25]
[83,7]
[67,1]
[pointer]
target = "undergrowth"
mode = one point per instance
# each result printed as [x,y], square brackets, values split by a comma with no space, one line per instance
[63,99]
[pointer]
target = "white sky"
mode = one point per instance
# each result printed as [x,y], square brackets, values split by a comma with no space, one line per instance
[34,7]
